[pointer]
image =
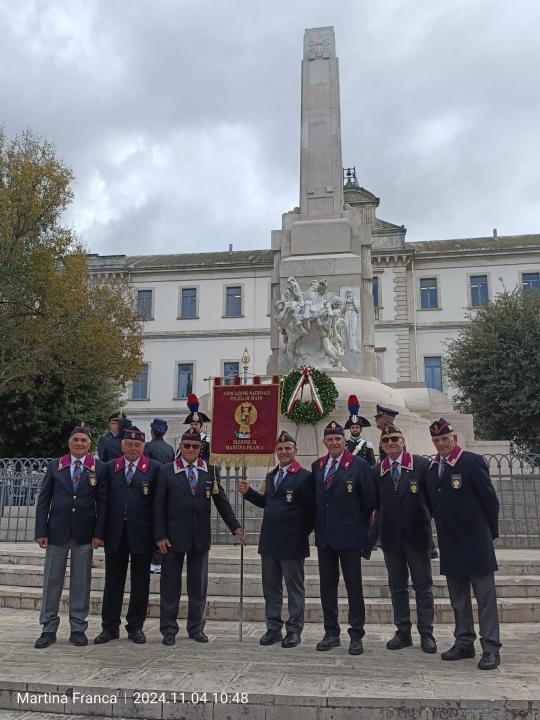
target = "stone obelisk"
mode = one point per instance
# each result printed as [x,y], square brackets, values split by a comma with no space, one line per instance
[323,248]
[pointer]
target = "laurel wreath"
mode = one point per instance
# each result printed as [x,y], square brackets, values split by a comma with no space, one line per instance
[306,412]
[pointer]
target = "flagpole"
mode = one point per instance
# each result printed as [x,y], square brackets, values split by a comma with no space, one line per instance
[245,366]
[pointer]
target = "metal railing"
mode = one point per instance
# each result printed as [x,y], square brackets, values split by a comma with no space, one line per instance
[516,479]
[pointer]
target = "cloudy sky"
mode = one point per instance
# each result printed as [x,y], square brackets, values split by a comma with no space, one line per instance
[180,118]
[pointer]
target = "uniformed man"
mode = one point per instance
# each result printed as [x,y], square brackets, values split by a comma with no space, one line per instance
[466,511]
[384,416]
[182,512]
[158,448]
[356,444]
[111,448]
[196,420]
[70,518]
[405,527]
[113,431]
[345,498]
[128,537]
[289,508]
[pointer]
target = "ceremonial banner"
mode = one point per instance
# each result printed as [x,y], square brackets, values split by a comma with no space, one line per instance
[244,425]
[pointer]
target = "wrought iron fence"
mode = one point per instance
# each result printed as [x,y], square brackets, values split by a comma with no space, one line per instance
[516,479]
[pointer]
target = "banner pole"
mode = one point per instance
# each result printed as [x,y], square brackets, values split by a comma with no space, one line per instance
[243,521]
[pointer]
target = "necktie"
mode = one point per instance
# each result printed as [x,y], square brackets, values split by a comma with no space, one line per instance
[395,475]
[192,479]
[330,474]
[442,465]
[77,472]
[130,473]
[279,478]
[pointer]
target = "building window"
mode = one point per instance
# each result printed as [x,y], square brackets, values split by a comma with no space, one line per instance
[139,388]
[188,303]
[185,379]
[428,294]
[479,290]
[432,372]
[230,371]
[144,304]
[376,292]
[531,281]
[233,301]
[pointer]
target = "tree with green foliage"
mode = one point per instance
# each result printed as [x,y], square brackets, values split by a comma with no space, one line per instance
[494,364]
[69,341]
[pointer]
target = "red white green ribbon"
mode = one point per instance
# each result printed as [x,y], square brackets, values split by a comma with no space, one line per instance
[305,377]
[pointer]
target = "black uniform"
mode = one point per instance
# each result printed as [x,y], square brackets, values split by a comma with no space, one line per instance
[466,510]
[63,511]
[341,522]
[184,518]
[102,441]
[405,527]
[288,518]
[128,538]
[111,448]
[361,448]
[159,449]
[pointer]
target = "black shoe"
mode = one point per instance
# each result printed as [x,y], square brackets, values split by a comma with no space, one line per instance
[356,647]
[199,636]
[78,638]
[428,644]
[399,641]
[169,639]
[44,640]
[459,652]
[328,642]
[365,554]
[137,636]
[291,639]
[271,637]
[106,636]
[489,660]
[433,553]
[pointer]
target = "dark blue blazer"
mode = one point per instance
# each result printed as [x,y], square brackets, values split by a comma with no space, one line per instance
[111,448]
[289,513]
[159,449]
[134,502]
[404,517]
[184,518]
[63,512]
[466,511]
[343,509]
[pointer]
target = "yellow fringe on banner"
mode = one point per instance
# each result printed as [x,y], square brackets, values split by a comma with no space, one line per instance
[243,460]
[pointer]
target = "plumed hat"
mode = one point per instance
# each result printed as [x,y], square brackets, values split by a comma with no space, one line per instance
[353,405]
[195,415]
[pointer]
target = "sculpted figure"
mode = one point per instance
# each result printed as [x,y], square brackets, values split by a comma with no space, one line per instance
[350,312]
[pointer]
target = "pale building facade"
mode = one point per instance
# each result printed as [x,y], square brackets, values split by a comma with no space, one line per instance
[202,310]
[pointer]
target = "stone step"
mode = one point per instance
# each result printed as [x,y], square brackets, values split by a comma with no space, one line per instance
[511,586]
[222,607]
[226,559]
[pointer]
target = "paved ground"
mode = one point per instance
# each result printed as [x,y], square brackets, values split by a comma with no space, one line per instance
[300,676]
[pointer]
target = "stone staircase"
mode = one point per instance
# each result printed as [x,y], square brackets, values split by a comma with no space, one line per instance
[518,585]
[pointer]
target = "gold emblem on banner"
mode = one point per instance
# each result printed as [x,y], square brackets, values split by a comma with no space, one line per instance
[455,482]
[246,416]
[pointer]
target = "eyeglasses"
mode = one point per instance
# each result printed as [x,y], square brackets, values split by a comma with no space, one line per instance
[393,438]
[191,446]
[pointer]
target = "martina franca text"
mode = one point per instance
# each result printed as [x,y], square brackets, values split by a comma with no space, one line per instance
[75,697]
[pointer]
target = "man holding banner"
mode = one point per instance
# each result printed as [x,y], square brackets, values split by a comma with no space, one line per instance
[345,498]
[182,511]
[288,503]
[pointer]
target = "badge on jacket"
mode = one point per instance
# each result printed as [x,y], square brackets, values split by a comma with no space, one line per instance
[145,488]
[92,479]
[289,496]
[349,486]
[207,493]
[413,486]
[455,482]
